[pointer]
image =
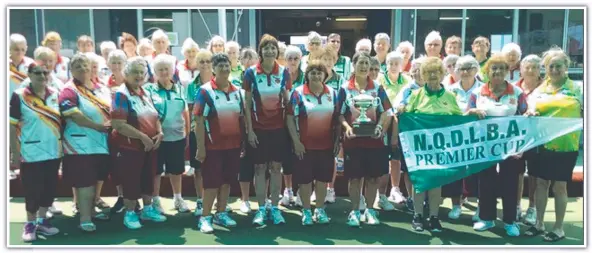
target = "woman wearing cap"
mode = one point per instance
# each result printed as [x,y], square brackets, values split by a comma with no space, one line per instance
[466,68]
[368,159]
[557,96]
[530,80]
[481,48]
[54,41]
[451,76]
[497,97]
[392,81]
[85,106]
[314,132]
[128,44]
[266,93]
[422,101]
[205,74]
[168,98]
[406,49]
[220,129]
[36,147]
[513,53]
[314,46]
[137,135]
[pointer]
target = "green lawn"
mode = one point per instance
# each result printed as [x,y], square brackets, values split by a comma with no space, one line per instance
[394,230]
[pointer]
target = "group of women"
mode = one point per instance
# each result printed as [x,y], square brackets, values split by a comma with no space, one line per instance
[270,115]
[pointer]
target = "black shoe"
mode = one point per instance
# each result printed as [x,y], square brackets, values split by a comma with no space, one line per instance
[118,207]
[417,223]
[409,205]
[435,225]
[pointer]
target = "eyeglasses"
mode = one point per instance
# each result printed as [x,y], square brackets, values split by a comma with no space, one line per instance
[466,69]
[138,72]
[205,61]
[556,66]
[292,58]
[434,45]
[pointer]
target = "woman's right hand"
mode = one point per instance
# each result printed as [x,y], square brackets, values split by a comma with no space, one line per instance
[479,113]
[531,113]
[401,109]
[200,155]
[253,141]
[148,143]
[299,149]
[349,133]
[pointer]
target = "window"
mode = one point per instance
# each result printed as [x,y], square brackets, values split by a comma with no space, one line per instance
[23,22]
[70,24]
[540,29]
[575,38]
[447,22]
[205,25]
[495,25]
[110,24]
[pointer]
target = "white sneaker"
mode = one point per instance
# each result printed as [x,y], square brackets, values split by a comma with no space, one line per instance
[362,203]
[198,208]
[205,225]
[396,196]
[150,213]
[54,209]
[245,207]
[313,197]
[455,212]
[287,197]
[476,216]
[298,201]
[530,217]
[131,221]
[181,206]
[383,203]
[483,225]
[330,198]
[156,204]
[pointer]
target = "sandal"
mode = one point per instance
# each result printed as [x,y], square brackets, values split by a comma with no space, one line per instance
[88,227]
[533,231]
[552,237]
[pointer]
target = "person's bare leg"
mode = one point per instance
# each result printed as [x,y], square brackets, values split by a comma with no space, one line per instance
[531,191]
[321,192]
[176,183]
[418,199]
[86,197]
[434,198]
[42,212]
[198,184]
[275,182]
[260,184]
[541,197]
[409,186]
[208,201]
[156,192]
[305,192]
[354,193]
[288,181]
[99,188]
[370,193]
[395,171]
[223,194]
[520,188]
[560,193]
[245,188]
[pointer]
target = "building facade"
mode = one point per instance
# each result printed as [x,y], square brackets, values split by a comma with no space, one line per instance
[535,30]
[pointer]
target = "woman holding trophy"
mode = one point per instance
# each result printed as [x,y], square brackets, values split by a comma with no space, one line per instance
[364,110]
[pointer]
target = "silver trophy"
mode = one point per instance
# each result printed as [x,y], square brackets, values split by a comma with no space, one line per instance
[363,126]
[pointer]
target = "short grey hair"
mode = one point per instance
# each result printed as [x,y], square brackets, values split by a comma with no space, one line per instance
[159,35]
[17,38]
[189,44]
[79,58]
[313,35]
[135,62]
[416,63]
[363,42]
[532,58]
[282,45]
[466,60]
[145,42]
[512,47]
[230,44]
[164,59]
[382,36]
[214,39]
[107,45]
[43,51]
[394,56]
[433,36]
[292,50]
[117,54]
[450,59]
[249,53]
[93,57]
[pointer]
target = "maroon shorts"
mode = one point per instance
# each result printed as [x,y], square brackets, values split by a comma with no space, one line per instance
[135,170]
[315,165]
[271,147]
[83,170]
[220,167]
[365,162]
[39,181]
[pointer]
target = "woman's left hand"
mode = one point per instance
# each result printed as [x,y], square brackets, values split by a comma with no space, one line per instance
[377,132]
[157,140]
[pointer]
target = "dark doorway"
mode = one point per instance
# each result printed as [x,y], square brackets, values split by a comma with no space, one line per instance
[350,24]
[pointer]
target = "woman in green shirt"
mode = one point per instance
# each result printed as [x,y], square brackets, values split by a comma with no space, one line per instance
[236,69]
[431,99]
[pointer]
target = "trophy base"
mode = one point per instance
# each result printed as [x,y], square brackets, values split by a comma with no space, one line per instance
[364,129]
